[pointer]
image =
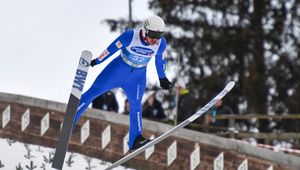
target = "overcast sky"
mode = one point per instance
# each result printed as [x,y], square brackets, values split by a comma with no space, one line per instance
[41,41]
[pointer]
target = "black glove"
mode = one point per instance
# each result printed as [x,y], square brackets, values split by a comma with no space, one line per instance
[165,83]
[93,63]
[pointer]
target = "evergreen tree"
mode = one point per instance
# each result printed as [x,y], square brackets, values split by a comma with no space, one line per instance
[70,160]
[29,151]
[31,166]
[19,167]
[89,161]
[43,166]
[1,165]
[10,141]
[254,42]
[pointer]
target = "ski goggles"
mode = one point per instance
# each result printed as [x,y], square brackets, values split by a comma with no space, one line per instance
[154,34]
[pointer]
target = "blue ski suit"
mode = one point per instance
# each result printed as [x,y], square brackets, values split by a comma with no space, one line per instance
[127,71]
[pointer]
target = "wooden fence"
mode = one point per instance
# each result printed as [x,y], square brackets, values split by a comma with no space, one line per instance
[104,135]
[267,137]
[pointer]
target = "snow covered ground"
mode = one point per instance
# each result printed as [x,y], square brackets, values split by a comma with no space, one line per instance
[15,154]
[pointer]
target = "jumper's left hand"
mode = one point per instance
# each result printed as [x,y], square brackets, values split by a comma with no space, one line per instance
[165,83]
[93,63]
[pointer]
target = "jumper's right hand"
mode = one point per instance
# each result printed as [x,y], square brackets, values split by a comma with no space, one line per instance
[93,62]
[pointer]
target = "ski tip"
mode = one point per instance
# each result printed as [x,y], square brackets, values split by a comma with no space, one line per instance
[86,52]
[230,85]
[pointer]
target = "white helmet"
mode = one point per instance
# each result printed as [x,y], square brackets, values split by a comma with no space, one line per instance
[154,27]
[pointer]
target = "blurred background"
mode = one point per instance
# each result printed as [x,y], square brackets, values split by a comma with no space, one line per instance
[254,43]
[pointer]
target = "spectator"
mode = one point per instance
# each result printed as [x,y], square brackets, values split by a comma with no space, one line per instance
[126,107]
[218,109]
[107,102]
[184,109]
[152,108]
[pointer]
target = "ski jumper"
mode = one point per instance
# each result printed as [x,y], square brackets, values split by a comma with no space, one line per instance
[127,71]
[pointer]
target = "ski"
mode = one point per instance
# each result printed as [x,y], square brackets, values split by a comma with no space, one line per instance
[204,109]
[66,131]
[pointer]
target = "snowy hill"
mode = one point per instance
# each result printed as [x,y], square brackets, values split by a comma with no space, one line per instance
[20,156]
